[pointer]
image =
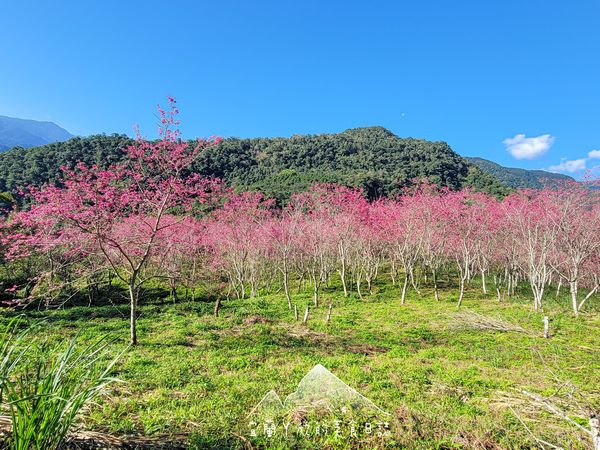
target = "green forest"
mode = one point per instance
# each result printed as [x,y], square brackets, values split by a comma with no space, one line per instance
[371,158]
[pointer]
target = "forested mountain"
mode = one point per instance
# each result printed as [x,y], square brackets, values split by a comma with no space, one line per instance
[373,158]
[21,167]
[29,133]
[514,177]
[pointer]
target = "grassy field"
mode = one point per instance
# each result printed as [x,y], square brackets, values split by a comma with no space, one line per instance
[447,383]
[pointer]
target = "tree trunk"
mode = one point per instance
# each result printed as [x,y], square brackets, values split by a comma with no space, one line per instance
[305,321]
[573,289]
[217,307]
[404,286]
[483,285]
[538,294]
[343,278]
[589,294]
[133,298]
[358,277]
[287,288]
[414,282]
[462,291]
[315,290]
[435,286]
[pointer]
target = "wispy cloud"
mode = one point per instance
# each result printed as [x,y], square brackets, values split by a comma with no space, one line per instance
[575,165]
[523,147]
[569,166]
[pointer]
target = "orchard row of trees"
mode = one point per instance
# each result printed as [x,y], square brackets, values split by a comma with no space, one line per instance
[149,217]
[331,231]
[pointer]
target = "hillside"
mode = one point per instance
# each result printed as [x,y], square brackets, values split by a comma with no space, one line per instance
[514,177]
[373,158]
[29,133]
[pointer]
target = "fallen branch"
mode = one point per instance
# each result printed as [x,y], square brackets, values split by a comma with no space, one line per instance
[480,322]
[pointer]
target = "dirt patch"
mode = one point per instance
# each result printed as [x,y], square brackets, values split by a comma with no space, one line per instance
[366,349]
[253,320]
[300,332]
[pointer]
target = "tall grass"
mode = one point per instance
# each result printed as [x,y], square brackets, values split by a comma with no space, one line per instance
[45,387]
[12,351]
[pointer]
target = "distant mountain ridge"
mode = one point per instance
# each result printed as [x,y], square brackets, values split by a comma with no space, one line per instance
[514,177]
[28,133]
[372,158]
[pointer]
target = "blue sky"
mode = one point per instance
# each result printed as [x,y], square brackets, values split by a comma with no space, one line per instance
[485,76]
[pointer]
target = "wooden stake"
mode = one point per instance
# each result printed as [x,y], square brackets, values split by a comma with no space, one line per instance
[305,316]
[296,312]
[329,313]
[595,429]
[546,327]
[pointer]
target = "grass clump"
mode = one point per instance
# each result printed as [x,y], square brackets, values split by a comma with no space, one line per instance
[46,385]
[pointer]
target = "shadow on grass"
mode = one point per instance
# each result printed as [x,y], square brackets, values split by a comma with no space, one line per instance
[107,303]
[208,442]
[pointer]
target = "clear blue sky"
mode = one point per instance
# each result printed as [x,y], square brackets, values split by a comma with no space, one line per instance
[472,73]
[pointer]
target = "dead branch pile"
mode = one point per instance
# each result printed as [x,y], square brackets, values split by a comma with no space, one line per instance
[470,319]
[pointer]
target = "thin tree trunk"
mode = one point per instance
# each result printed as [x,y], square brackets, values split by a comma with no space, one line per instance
[590,293]
[315,290]
[483,285]
[497,286]
[413,282]
[217,307]
[404,286]
[435,286]
[462,291]
[573,289]
[133,299]
[287,288]
[358,278]
[343,277]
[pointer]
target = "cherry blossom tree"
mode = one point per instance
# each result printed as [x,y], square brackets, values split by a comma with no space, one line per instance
[122,210]
[528,213]
[237,240]
[575,221]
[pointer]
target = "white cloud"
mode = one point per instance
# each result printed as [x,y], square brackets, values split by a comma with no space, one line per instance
[594,154]
[570,166]
[522,147]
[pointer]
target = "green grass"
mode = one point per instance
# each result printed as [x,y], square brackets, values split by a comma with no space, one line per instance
[445,384]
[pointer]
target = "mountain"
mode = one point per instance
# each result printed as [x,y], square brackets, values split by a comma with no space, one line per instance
[372,158]
[29,133]
[514,177]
